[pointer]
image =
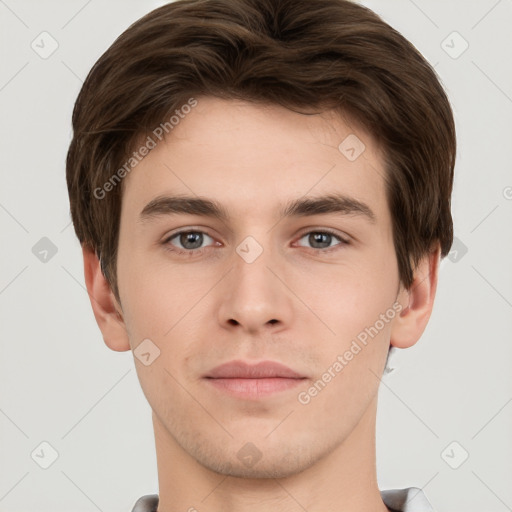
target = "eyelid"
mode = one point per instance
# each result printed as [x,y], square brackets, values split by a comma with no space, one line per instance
[188,229]
[344,239]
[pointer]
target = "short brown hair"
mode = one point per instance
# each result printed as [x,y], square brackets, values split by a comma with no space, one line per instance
[294,53]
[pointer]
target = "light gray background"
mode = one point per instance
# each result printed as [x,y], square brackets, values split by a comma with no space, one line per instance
[60,384]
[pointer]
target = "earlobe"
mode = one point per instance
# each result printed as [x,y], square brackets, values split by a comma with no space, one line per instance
[417,302]
[106,310]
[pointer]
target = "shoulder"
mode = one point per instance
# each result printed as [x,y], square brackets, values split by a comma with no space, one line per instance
[147,503]
[411,499]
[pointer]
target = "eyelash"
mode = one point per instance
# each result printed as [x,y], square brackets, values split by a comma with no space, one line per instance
[193,252]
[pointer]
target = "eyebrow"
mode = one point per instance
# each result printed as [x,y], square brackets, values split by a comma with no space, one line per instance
[302,207]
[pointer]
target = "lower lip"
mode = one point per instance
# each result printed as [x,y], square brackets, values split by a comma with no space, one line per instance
[254,388]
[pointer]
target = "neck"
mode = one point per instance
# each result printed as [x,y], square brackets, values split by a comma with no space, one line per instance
[344,480]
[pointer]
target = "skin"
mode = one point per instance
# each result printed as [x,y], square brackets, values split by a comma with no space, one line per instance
[298,303]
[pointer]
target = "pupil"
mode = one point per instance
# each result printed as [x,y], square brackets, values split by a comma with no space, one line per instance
[319,238]
[191,240]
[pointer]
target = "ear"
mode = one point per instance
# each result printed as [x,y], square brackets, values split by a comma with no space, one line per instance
[107,311]
[417,302]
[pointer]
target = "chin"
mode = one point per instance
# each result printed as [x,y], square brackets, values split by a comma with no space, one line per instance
[250,462]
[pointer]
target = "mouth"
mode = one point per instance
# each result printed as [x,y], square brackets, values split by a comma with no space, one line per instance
[247,381]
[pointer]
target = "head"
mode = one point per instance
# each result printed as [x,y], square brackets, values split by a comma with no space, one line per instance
[307,159]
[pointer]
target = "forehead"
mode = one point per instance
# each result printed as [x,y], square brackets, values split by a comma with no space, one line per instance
[254,158]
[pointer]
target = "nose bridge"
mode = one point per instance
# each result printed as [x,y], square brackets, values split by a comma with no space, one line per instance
[254,296]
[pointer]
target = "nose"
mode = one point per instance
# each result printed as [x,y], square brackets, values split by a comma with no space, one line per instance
[254,297]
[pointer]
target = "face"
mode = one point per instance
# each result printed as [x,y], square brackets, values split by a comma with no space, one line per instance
[259,265]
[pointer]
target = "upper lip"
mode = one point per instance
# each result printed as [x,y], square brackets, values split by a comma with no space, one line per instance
[261,370]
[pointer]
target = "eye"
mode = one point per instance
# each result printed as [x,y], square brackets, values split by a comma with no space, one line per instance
[188,241]
[322,239]
[194,240]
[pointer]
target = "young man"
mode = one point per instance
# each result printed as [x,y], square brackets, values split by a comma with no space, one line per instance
[262,192]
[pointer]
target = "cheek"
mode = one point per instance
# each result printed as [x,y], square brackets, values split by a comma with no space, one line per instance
[352,295]
[147,292]
[158,306]
[166,303]
[347,295]
[356,302]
